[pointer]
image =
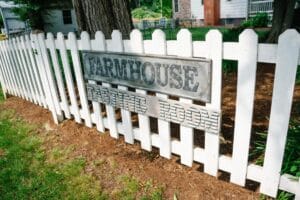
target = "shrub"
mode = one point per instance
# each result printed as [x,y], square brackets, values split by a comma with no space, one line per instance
[144,12]
[259,20]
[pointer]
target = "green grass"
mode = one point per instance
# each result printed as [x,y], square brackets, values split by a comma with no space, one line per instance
[29,171]
[26,173]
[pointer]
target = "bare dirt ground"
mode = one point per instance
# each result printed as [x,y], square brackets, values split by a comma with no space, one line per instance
[115,157]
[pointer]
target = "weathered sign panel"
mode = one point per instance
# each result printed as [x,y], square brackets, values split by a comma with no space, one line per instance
[183,77]
[189,115]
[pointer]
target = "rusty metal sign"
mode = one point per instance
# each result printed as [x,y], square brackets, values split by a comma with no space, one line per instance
[182,77]
[189,115]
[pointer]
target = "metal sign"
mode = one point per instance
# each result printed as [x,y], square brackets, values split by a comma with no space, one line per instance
[183,77]
[189,115]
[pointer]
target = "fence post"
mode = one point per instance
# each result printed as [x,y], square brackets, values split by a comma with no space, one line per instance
[185,49]
[49,75]
[60,83]
[159,47]
[248,44]
[137,46]
[79,78]
[99,44]
[44,80]
[40,91]
[126,115]
[284,83]
[214,44]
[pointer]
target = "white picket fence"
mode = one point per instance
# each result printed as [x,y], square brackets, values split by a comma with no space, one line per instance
[30,68]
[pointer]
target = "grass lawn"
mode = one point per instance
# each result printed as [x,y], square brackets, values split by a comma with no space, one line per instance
[28,170]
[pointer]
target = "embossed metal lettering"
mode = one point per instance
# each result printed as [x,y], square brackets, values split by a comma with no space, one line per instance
[183,77]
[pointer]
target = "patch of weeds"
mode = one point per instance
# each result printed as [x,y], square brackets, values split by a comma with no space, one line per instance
[131,188]
[1,95]
[152,192]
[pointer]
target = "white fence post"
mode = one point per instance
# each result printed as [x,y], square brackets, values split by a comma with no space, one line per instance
[137,46]
[38,81]
[99,44]
[110,111]
[159,47]
[85,44]
[61,45]
[126,115]
[248,41]
[49,76]
[42,72]
[284,83]
[59,79]
[79,78]
[185,49]
[30,71]
[212,142]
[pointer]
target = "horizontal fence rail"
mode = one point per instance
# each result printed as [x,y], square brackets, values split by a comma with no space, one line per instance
[48,71]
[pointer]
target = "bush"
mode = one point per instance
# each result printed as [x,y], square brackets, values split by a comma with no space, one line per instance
[144,12]
[260,20]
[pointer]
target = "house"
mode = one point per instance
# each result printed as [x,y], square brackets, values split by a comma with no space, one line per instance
[11,22]
[215,12]
[60,17]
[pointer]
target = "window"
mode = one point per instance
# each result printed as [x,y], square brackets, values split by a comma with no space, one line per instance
[176,5]
[67,16]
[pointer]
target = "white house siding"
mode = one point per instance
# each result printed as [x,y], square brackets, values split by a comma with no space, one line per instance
[54,22]
[233,9]
[197,9]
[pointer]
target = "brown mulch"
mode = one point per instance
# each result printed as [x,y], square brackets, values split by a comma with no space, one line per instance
[185,182]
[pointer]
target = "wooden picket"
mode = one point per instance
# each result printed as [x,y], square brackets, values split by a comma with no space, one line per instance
[48,72]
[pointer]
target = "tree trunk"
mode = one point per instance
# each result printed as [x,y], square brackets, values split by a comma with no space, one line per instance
[282,18]
[103,15]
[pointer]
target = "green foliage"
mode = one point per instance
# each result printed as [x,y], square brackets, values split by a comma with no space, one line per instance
[259,20]
[144,12]
[151,9]
[1,21]
[1,95]
[26,172]
[291,160]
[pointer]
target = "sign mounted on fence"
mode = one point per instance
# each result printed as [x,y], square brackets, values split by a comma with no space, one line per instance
[189,115]
[183,77]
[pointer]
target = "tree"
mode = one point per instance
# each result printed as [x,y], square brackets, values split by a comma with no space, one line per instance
[282,18]
[104,15]
[32,11]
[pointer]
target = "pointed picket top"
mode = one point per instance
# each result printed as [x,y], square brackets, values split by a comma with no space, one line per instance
[159,42]
[116,34]
[85,41]
[136,38]
[213,34]
[72,36]
[184,43]
[99,43]
[290,35]
[50,36]
[60,35]
[85,36]
[248,36]
[41,35]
